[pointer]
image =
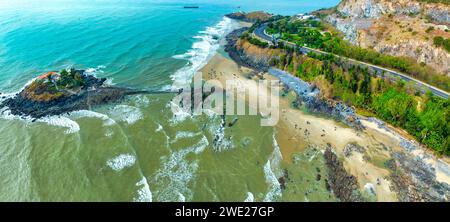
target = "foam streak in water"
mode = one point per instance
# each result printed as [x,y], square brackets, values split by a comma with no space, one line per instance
[121,162]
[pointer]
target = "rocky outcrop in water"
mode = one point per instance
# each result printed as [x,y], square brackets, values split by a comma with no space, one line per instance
[50,95]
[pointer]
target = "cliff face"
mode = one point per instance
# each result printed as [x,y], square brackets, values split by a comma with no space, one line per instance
[377,8]
[396,27]
[256,54]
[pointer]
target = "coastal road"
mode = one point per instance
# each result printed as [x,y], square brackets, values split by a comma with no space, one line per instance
[261,34]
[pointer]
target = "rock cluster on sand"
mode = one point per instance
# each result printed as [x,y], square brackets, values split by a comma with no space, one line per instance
[353,147]
[343,184]
[415,181]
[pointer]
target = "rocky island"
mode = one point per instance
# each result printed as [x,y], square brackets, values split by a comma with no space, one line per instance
[250,17]
[55,93]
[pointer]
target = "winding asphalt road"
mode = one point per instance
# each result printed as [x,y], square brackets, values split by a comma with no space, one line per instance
[262,35]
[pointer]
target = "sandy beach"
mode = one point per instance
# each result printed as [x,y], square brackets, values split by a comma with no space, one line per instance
[297,130]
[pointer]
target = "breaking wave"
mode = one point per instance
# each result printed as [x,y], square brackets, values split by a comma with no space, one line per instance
[143,194]
[95,71]
[272,181]
[91,114]
[61,121]
[250,197]
[121,162]
[126,113]
[177,172]
[201,51]
[272,172]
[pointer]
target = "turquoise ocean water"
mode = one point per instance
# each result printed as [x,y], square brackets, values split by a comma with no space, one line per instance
[137,149]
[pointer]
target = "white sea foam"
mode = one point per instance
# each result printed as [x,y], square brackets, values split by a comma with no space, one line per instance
[181,197]
[5,113]
[250,197]
[121,162]
[210,113]
[166,88]
[95,71]
[221,143]
[276,155]
[65,120]
[199,54]
[143,194]
[141,100]
[109,82]
[124,113]
[272,171]
[175,174]
[201,51]
[370,189]
[184,134]
[272,181]
[91,114]
[201,145]
[61,121]
[179,114]
[159,128]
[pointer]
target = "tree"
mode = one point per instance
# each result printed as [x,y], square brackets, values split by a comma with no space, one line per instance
[438,41]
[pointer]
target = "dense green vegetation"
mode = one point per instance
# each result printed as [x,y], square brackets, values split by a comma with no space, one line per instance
[311,33]
[254,41]
[70,79]
[424,116]
[286,26]
[441,42]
